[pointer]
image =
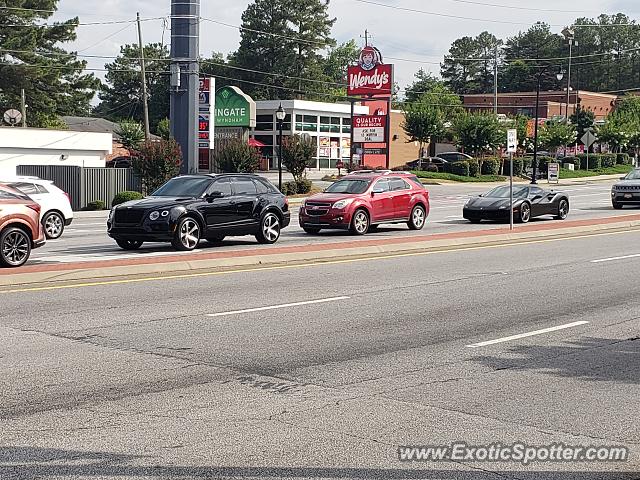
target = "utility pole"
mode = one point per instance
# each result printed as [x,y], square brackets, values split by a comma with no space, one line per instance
[366,38]
[143,73]
[495,84]
[23,108]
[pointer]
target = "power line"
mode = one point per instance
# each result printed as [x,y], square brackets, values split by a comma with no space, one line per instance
[512,7]
[486,20]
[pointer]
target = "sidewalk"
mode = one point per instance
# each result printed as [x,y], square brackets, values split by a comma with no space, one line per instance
[207,263]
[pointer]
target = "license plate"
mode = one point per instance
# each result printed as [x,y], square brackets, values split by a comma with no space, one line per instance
[628,196]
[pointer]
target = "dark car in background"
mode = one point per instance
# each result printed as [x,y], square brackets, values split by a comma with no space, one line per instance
[20,227]
[428,164]
[454,156]
[627,190]
[528,202]
[189,208]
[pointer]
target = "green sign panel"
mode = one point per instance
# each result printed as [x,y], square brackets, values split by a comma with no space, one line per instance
[234,108]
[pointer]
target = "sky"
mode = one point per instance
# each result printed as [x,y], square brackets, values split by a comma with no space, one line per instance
[410,40]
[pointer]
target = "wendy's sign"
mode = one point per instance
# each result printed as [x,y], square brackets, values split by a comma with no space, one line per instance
[370,77]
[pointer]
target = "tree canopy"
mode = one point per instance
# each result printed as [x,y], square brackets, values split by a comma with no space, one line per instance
[32,58]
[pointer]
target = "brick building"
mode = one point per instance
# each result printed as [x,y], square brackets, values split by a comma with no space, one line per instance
[552,104]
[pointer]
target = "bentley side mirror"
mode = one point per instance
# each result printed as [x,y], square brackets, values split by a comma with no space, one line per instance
[213,195]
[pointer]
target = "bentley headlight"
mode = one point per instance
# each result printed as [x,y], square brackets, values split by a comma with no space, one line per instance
[154,215]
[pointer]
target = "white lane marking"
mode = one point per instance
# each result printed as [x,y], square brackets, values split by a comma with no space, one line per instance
[615,259]
[275,307]
[525,335]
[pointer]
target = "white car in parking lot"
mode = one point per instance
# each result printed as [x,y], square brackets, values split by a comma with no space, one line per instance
[56,211]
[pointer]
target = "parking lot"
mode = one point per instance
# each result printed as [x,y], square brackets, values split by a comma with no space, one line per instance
[86,239]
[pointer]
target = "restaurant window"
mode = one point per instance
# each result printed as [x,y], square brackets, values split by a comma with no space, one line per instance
[306,123]
[264,123]
[346,125]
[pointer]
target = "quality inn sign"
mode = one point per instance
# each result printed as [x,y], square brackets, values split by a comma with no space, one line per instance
[234,108]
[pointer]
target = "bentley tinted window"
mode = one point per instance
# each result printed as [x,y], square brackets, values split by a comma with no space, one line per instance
[184,187]
[223,186]
[245,186]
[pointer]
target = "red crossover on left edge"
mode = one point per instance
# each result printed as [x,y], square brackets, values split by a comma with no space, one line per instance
[363,200]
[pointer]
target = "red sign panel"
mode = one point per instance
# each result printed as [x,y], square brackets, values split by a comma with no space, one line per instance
[370,121]
[375,82]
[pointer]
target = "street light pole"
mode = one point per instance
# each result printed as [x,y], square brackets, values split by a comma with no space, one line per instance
[280,116]
[534,176]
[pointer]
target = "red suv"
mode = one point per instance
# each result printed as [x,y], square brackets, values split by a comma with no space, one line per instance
[363,200]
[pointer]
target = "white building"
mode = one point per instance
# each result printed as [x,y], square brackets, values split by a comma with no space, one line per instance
[328,124]
[34,146]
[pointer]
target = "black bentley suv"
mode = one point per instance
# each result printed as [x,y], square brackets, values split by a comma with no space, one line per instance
[189,208]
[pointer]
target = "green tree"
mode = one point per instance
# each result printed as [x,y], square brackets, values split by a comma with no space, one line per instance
[335,67]
[121,98]
[131,135]
[460,69]
[299,31]
[297,154]
[423,83]
[582,119]
[156,162]
[32,58]
[478,133]
[555,135]
[164,129]
[237,156]
[428,118]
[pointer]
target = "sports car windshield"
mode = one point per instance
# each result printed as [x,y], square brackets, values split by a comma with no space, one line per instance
[349,186]
[503,192]
[634,175]
[183,187]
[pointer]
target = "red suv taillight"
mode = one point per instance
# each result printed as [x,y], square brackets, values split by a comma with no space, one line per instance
[35,207]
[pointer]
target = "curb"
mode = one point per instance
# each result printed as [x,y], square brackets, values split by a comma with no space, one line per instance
[318,253]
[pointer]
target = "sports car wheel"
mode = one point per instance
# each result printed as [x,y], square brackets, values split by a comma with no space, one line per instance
[360,223]
[187,235]
[15,247]
[269,232]
[129,244]
[563,210]
[525,213]
[53,224]
[418,218]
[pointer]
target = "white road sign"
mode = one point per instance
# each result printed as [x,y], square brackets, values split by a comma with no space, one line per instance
[588,139]
[512,140]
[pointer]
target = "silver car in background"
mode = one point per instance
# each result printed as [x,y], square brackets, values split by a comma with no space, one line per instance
[627,190]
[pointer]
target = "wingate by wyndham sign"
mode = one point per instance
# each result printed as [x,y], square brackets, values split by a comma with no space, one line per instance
[234,108]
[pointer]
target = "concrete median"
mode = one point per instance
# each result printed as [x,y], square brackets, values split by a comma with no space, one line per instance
[172,264]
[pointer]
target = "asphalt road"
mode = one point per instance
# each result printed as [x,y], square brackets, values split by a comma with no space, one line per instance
[86,239]
[324,371]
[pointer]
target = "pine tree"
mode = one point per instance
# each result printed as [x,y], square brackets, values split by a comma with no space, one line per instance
[32,58]
[287,39]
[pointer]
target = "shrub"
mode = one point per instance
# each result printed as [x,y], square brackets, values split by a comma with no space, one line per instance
[518,167]
[303,186]
[623,159]
[157,162]
[123,197]
[460,168]
[491,166]
[289,188]
[595,161]
[608,160]
[297,154]
[474,168]
[543,162]
[237,157]
[95,206]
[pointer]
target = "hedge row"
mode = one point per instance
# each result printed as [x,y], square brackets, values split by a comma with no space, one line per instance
[301,187]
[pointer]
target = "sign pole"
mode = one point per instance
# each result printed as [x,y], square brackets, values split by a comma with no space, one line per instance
[353,114]
[511,192]
[387,134]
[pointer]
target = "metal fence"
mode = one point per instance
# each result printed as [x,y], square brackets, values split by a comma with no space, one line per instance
[86,185]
